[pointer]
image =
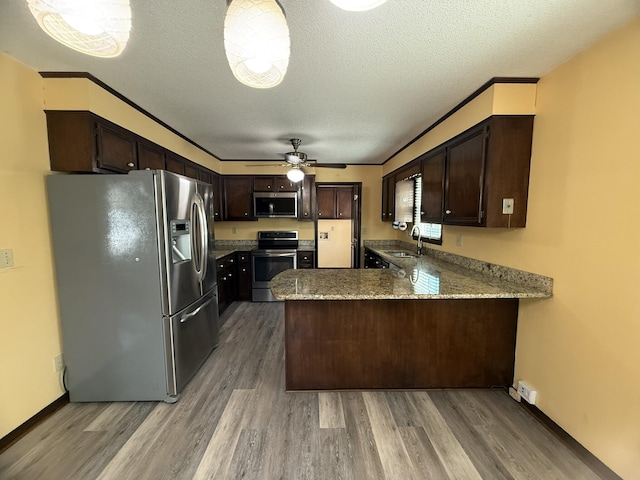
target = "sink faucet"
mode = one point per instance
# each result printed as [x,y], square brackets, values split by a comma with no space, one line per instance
[419,246]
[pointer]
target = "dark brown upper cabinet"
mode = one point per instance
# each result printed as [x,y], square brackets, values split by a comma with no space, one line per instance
[150,156]
[218,204]
[432,186]
[190,169]
[388,197]
[334,202]
[485,165]
[307,198]
[174,163]
[238,194]
[84,142]
[278,183]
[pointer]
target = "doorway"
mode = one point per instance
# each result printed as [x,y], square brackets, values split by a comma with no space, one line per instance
[338,219]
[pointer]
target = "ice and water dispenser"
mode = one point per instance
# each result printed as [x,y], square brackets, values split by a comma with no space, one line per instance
[180,241]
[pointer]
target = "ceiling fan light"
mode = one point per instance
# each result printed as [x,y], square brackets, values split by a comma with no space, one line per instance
[256,41]
[295,175]
[357,5]
[95,27]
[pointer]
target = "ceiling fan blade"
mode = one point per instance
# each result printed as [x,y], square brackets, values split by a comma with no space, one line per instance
[328,165]
[270,165]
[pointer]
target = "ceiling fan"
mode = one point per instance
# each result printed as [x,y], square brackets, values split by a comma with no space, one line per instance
[300,158]
[296,160]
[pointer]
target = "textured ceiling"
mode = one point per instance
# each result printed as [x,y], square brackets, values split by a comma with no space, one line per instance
[360,85]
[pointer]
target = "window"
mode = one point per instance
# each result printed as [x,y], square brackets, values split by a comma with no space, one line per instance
[429,232]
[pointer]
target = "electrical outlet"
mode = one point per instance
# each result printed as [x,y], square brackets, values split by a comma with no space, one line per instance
[527,392]
[6,258]
[507,206]
[58,363]
[459,240]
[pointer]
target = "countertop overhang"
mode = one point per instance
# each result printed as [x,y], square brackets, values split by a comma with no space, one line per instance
[421,277]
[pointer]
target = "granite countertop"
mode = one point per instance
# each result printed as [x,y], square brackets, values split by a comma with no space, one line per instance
[223,253]
[421,277]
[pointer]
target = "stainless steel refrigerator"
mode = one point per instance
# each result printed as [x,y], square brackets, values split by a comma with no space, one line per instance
[136,281]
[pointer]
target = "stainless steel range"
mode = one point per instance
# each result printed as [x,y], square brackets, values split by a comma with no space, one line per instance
[276,253]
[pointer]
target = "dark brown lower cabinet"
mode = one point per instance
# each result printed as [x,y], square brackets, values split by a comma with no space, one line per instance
[305,259]
[399,344]
[226,276]
[244,275]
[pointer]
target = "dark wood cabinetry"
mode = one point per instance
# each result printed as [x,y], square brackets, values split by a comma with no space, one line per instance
[174,163]
[84,142]
[115,148]
[388,198]
[226,276]
[274,184]
[373,260]
[150,156]
[433,186]
[238,191]
[306,202]
[485,165]
[465,180]
[190,169]
[218,198]
[335,202]
[305,259]
[243,267]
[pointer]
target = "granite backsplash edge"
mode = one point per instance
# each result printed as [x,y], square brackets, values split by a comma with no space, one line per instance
[521,277]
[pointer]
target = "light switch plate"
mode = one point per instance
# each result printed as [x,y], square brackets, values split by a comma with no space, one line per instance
[6,258]
[507,206]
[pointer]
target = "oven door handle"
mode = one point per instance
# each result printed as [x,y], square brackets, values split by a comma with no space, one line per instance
[270,255]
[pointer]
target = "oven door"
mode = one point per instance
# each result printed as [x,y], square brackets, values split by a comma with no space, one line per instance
[266,265]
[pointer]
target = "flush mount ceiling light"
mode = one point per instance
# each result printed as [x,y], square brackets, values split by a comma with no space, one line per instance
[256,41]
[295,174]
[357,5]
[95,27]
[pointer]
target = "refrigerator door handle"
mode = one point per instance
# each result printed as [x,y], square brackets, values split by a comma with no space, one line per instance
[200,245]
[189,315]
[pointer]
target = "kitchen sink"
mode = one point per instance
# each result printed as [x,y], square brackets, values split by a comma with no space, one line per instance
[402,254]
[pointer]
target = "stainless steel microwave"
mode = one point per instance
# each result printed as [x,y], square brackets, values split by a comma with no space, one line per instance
[276,204]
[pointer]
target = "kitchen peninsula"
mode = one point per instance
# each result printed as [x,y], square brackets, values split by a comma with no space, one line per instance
[426,323]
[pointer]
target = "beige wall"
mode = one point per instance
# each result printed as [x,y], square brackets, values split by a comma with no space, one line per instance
[579,350]
[29,332]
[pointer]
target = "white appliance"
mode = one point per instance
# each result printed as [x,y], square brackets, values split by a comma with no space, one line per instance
[135,269]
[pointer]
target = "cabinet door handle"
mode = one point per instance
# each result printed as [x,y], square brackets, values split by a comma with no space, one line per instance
[448,212]
[131,164]
[246,214]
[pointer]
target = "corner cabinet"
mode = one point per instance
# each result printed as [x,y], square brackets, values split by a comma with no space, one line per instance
[485,165]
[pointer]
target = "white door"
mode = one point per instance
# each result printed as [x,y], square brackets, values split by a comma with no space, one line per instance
[334,244]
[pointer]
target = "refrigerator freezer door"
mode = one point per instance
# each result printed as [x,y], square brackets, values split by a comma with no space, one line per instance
[176,196]
[209,279]
[190,336]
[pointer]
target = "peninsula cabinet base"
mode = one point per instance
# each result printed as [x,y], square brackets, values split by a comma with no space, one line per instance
[399,344]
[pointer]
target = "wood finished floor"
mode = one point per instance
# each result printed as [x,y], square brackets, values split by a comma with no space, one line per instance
[235,421]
